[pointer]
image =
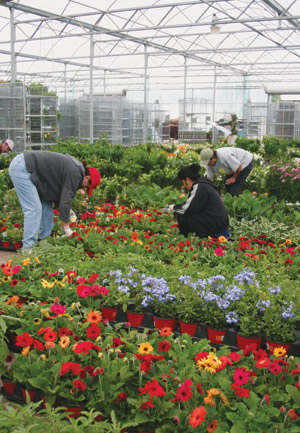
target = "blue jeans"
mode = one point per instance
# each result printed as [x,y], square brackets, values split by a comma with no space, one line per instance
[236,188]
[38,214]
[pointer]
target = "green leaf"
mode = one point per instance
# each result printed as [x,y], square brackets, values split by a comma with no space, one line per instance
[293,392]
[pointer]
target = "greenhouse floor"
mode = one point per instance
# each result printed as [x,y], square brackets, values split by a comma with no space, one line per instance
[6,255]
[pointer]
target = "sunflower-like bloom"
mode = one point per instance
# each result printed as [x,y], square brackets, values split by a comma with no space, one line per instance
[210,363]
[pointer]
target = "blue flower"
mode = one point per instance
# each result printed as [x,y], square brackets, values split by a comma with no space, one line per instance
[232,317]
[274,290]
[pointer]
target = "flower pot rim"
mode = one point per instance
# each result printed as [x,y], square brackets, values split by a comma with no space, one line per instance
[249,336]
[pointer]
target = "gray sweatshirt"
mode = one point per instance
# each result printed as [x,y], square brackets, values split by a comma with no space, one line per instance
[57,177]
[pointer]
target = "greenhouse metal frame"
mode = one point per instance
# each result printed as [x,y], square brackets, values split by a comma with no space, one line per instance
[150,48]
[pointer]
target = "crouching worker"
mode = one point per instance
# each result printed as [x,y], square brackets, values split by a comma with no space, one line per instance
[42,178]
[204,212]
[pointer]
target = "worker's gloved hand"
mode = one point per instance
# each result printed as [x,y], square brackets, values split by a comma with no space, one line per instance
[171,208]
[168,209]
[68,231]
[73,216]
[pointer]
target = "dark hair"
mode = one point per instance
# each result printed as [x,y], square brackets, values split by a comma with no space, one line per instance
[191,171]
[86,170]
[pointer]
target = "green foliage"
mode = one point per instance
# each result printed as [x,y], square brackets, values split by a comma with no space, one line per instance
[250,144]
[275,147]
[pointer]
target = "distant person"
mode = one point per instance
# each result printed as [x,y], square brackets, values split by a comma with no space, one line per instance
[204,212]
[235,163]
[6,146]
[42,178]
[233,124]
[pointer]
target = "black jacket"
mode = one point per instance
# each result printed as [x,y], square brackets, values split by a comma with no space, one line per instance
[57,177]
[204,208]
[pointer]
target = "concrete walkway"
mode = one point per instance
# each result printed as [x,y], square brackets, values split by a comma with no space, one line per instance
[6,255]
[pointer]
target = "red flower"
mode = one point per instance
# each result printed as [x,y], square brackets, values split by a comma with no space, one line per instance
[50,335]
[260,353]
[199,388]
[146,404]
[197,416]
[79,384]
[83,291]
[38,345]
[292,414]
[219,251]
[164,346]
[275,368]
[93,331]
[67,366]
[262,363]
[184,392]
[117,342]
[24,340]
[267,398]
[240,376]
[212,426]
[239,391]
[123,396]
[85,347]
[234,356]
[288,261]
[154,389]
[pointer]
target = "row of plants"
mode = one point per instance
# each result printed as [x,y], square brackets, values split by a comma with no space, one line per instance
[152,380]
[151,164]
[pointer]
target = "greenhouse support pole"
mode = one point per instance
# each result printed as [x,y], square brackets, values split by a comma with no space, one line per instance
[104,83]
[12,47]
[214,103]
[91,90]
[65,80]
[145,96]
[184,96]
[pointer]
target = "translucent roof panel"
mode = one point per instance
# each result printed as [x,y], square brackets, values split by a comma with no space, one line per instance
[57,41]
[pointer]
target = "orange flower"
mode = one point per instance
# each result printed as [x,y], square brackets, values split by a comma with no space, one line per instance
[197,416]
[49,345]
[212,426]
[209,399]
[166,332]
[7,271]
[12,300]
[222,239]
[134,236]
[292,414]
[94,317]
[64,342]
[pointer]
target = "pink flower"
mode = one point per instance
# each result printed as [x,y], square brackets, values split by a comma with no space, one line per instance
[219,251]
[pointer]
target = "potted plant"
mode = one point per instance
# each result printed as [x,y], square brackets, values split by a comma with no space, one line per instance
[190,310]
[281,315]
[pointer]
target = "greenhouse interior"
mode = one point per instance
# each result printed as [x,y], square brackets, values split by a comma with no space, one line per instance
[150,216]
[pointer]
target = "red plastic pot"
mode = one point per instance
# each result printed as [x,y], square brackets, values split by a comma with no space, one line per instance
[9,387]
[109,313]
[161,323]
[17,245]
[135,318]
[242,341]
[31,393]
[188,328]
[215,335]
[271,345]
[6,244]
[74,412]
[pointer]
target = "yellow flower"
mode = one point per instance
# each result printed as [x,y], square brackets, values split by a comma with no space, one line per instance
[43,357]
[224,399]
[100,354]
[145,348]
[25,351]
[279,352]
[64,342]
[44,283]
[37,321]
[37,260]
[289,241]
[26,262]
[211,363]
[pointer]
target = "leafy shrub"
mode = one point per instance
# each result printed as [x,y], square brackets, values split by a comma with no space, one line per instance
[250,144]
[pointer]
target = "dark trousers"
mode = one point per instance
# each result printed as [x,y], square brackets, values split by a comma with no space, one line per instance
[235,188]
